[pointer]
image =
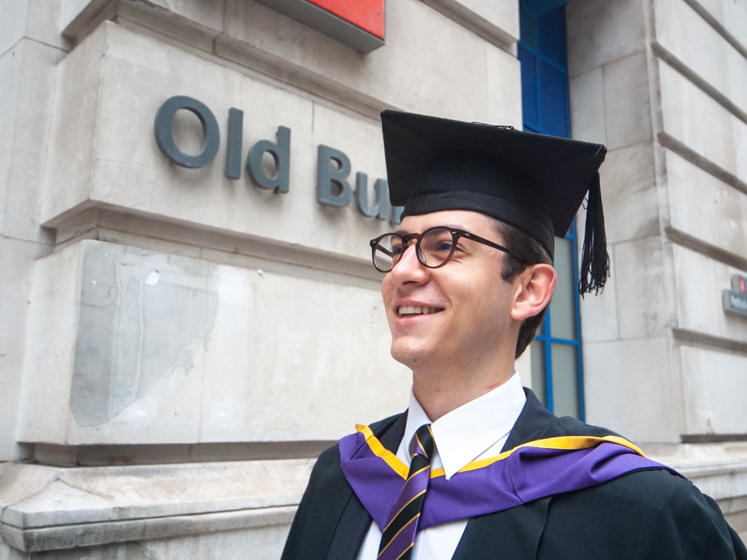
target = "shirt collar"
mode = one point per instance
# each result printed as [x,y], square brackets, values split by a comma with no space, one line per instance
[467,432]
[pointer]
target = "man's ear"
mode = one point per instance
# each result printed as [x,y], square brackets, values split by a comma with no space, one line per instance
[533,290]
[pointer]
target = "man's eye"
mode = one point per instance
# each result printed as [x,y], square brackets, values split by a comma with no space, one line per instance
[397,250]
[443,245]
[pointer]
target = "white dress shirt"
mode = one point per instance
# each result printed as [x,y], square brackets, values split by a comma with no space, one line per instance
[475,430]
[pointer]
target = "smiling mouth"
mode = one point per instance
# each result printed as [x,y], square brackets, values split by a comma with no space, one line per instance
[410,310]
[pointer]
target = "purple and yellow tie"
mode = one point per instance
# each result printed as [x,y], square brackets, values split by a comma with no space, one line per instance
[398,537]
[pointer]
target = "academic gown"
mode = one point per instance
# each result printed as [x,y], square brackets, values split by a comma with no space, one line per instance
[650,514]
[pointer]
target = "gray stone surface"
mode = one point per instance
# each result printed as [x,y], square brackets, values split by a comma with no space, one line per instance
[732,16]
[702,48]
[723,141]
[587,106]
[28,70]
[601,32]
[139,317]
[661,197]
[504,73]
[702,279]
[713,404]
[504,16]
[640,371]
[47,509]
[94,494]
[626,101]
[720,219]
[13,23]
[43,23]
[16,266]
[599,314]
[630,192]
[166,349]
[640,289]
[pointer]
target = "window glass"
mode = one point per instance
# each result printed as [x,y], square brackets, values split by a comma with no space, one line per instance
[539,381]
[563,310]
[565,396]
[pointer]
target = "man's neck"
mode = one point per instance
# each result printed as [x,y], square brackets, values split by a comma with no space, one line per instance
[441,390]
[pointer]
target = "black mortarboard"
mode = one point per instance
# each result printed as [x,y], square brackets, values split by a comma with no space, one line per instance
[531,181]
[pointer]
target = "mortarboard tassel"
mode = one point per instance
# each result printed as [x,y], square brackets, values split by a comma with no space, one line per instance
[595,262]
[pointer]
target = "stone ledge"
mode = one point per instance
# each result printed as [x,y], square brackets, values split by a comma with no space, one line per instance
[479,24]
[108,222]
[163,454]
[46,508]
[91,534]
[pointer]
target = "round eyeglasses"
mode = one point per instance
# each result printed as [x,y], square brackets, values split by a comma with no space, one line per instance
[434,247]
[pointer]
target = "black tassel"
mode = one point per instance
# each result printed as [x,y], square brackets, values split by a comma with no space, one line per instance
[595,262]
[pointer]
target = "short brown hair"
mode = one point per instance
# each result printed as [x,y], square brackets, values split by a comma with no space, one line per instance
[530,251]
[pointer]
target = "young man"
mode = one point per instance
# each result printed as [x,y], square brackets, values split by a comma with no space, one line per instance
[477,468]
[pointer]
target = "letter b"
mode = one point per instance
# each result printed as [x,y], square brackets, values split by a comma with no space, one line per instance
[325,176]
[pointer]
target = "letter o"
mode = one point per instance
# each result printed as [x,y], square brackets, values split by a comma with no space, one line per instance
[165,134]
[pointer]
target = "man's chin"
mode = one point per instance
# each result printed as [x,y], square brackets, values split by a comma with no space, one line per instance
[409,355]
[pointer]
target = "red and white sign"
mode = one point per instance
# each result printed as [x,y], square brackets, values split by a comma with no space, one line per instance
[366,14]
[357,23]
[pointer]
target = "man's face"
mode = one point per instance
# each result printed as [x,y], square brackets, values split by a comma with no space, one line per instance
[456,314]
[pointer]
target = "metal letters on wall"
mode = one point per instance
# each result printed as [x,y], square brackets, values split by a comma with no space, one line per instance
[333,165]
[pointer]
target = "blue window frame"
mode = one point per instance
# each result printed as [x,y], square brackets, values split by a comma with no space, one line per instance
[544,72]
[557,369]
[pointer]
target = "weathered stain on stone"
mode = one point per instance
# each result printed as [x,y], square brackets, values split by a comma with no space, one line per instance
[141,316]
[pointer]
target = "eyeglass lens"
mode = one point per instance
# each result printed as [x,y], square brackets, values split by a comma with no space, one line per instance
[435,247]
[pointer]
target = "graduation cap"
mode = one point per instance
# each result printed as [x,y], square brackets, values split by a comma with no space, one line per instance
[531,181]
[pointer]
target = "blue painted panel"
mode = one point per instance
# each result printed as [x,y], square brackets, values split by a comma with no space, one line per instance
[553,96]
[529,88]
[528,28]
[538,7]
[551,35]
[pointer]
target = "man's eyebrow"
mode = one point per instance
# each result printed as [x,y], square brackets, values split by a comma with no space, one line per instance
[447,226]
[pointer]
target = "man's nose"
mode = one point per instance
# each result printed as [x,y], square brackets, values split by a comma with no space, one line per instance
[409,268]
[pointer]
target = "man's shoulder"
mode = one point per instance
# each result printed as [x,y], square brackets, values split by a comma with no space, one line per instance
[662,512]
[654,513]
[655,488]
[652,485]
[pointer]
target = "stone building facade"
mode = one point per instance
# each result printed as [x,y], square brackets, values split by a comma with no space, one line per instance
[178,343]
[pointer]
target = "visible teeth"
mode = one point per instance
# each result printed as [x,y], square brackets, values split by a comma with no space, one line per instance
[417,310]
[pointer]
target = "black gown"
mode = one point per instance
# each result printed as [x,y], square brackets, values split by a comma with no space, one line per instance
[650,514]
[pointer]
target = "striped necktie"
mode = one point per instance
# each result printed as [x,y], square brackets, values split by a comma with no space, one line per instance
[398,537]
